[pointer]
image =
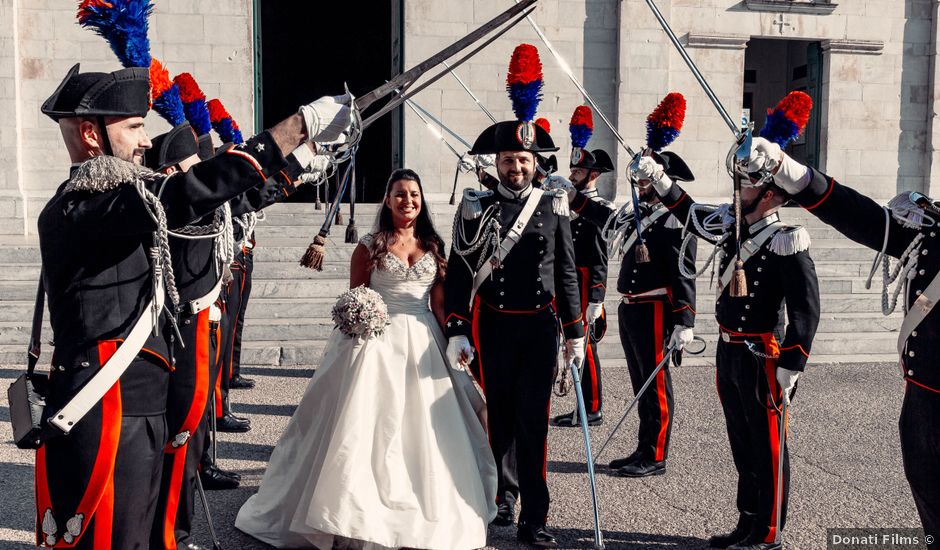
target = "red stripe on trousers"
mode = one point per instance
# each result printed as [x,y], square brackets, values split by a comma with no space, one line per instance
[660,381]
[196,409]
[773,425]
[589,351]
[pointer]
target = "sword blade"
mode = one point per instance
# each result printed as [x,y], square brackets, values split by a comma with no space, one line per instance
[408,77]
[417,110]
[582,414]
[395,102]
[472,95]
[695,72]
[778,536]
[667,353]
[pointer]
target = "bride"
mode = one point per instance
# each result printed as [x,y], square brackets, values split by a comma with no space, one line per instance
[385,449]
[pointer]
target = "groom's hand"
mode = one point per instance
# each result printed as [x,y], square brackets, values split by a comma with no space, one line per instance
[459,351]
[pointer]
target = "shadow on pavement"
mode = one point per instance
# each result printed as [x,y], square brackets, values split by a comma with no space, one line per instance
[272,371]
[17,483]
[258,408]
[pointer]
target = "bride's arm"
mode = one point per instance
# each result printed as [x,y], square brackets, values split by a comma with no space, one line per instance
[359,273]
[437,302]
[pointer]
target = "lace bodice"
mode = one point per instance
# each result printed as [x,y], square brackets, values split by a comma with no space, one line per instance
[404,289]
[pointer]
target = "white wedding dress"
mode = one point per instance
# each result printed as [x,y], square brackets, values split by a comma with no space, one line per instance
[385,449]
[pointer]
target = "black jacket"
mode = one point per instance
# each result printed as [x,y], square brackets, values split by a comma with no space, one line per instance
[540,269]
[664,241]
[774,282]
[95,247]
[590,250]
[863,220]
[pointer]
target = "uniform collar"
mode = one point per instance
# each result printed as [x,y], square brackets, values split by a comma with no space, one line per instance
[514,195]
[590,193]
[763,222]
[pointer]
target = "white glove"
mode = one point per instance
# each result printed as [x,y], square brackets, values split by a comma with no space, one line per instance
[574,350]
[650,170]
[789,174]
[327,118]
[681,337]
[485,161]
[787,379]
[593,312]
[459,351]
[557,182]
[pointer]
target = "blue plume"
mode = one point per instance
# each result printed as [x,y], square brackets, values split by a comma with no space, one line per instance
[779,129]
[170,106]
[525,99]
[228,132]
[659,137]
[198,116]
[124,24]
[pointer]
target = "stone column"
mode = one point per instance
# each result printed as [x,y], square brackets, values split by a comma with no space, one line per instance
[932,154]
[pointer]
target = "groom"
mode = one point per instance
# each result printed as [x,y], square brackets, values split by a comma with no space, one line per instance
[508,300]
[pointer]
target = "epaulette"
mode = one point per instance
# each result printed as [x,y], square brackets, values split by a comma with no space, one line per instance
[104,173]
[470,208]
[559,201]
[790,240]
[908,213]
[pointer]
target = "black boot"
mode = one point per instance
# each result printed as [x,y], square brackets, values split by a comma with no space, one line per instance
[214,479]
[230,423]
[572,420]
[741,531]
[757,546]
[505,514]
[241,383]
[643,468]
[635,456]
[536,535]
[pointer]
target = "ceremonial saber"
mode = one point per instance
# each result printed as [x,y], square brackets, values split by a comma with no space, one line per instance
[666,356]
[216,545]
[415,108]
[698,75]
[567,70]
[582,413]
[778,536]
[425,116]
[472,95]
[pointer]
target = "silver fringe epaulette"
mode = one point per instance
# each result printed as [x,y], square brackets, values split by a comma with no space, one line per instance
[559,202]
[100,174]
[790,240]
[908,213]
[470,208]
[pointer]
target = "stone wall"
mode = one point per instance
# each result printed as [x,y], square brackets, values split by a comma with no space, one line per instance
[212,40]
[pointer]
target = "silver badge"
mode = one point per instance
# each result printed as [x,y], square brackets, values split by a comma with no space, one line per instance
[577,155]
[525,133]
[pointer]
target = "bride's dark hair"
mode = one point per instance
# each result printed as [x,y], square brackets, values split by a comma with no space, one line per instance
[384,234]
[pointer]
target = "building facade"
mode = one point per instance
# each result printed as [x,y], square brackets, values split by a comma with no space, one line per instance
[870,67]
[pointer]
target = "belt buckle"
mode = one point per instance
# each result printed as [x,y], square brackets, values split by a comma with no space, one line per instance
[725,337]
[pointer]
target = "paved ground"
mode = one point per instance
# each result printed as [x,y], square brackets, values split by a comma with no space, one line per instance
[844,445]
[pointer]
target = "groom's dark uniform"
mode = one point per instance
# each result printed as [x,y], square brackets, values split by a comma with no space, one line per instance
[514,319]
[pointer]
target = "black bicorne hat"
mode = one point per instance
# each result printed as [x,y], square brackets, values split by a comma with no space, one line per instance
[597,160]
[513,135]
[548,165]
[171,148]
[206,149]
[122,93]
[674,166]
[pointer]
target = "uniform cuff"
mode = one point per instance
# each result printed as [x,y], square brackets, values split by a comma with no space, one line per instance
[793,358]
[263,153]
[457,325]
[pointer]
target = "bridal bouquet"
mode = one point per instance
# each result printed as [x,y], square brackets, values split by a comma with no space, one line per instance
[360,312]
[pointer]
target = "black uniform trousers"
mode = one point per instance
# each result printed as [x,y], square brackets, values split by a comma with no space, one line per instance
[645,328]
[920,449]
[108,468]
[517,353]
[233,322]
[248,263]
[591,373]
[749,393]
[191,386]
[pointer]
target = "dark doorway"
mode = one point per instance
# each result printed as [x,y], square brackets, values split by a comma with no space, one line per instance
[310,49]
[772,69]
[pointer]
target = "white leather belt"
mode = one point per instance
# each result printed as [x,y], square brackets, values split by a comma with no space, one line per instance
[199,304]
[633,298]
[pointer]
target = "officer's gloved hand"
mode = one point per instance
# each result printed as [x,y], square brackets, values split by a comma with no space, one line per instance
[593,312]
[327,118]
[789,174]
[681,337]
[574,350]
[787,379]
[459,351]
[648,170]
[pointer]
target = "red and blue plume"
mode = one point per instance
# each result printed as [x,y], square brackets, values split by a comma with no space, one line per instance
[788,119]
[194,103]
[224,124]
[524,81]
[665,122]
[544,124]
[581,126]
[123,23]
[165,95]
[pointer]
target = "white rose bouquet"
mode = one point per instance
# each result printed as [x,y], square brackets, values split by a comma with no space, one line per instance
[360,312]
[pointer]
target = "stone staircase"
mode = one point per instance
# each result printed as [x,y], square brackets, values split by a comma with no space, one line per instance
[288,319]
